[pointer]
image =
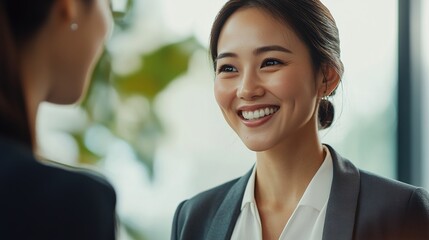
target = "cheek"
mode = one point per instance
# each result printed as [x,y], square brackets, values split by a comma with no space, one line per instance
[293,85]
[224,94]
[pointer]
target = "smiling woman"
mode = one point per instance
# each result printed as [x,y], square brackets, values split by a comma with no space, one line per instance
[275,63]
[272,69]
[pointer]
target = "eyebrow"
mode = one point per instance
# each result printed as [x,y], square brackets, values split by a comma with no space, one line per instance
[257,51]
[225,55]
[270,48]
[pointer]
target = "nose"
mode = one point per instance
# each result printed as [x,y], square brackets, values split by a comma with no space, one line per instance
[250,87]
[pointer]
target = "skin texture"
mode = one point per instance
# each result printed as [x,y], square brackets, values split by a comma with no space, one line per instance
[57,62]
[250,74]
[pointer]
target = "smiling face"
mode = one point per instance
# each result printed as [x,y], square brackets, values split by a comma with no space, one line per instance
[265,83]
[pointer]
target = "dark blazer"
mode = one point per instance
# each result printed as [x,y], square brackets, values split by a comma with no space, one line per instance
[360,206]
[38,201]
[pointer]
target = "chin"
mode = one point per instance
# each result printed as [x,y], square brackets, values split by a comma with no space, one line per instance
[65,99]
[256,146]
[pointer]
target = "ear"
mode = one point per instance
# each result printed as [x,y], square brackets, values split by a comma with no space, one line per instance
[66,10]
[330,81]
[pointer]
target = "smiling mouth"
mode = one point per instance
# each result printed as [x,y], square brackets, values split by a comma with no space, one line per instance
[258,113]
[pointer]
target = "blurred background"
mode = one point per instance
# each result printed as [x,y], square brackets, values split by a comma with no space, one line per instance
[151,125]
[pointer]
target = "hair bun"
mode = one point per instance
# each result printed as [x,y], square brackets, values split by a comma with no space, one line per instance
[326,114]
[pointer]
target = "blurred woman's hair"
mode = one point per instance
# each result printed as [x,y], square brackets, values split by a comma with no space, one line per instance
[19,22]
[313,24]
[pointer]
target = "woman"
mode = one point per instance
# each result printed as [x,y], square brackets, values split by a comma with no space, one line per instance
[48,49]
[276,62]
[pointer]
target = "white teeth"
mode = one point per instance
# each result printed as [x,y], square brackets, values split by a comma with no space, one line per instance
[256,114]
[253,115]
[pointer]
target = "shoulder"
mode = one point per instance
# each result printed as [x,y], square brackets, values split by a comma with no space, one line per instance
[22,174]
[368,185]
[377,181]
[385,208]
[51,202]
[79,199]
[194,217]
[401,208]
[81,189]
[385,188]
[80,179]
[395,191]
[19,166]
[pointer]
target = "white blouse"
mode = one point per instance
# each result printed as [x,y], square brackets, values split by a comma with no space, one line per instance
[308,218]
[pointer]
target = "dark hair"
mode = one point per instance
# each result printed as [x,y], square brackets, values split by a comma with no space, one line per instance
[19,22]
[311,21]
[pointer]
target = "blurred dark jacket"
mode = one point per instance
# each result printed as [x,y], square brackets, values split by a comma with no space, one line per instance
[40,201]
[361,206]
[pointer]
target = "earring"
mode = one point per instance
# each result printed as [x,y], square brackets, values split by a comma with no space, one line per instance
[74,26]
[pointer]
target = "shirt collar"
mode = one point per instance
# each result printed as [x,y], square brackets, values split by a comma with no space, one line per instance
[316,194]
[249,192]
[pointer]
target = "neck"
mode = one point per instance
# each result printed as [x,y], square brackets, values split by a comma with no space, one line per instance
[284,172]
[33,77]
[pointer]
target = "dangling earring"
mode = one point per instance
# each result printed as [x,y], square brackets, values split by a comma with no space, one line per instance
[326,109]
[74,26]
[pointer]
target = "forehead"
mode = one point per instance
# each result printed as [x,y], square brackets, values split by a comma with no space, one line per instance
[254,26]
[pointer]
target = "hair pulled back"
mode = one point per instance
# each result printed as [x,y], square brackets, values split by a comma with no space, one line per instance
[313,24]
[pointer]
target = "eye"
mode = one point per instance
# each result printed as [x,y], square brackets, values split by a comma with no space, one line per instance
[226,68]
[271,62]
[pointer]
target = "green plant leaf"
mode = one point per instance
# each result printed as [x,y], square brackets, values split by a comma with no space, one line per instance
[158,69]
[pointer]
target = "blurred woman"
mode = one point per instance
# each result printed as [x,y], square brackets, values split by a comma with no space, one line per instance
[48,49]
[276,63]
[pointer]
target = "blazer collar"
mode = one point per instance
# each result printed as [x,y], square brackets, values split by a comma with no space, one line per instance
[224,221]
[343,199]
[340,212]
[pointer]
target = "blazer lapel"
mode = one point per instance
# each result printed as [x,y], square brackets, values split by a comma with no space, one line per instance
[340,212]
[224,221]
[343,199]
